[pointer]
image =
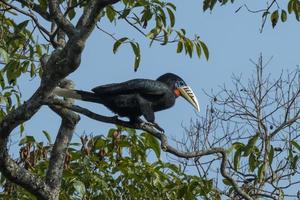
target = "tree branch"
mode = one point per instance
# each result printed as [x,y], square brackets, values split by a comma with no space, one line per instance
[164,143]
[63,138]
[20,175]
[60,19]
[91,15]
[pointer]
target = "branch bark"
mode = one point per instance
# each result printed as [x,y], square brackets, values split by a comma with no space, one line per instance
[60,19]
[91,16]
[20,175]
[69,119]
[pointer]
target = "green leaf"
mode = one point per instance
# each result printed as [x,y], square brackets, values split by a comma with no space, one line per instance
[171,5]
[205,50]
[110,13]
[261,172]
[295,144]
[189,47]
[198,49]
[32,70]
[166,38]
[22,128]
[294,162]
[136,50]
[71,14]
[212,4]
[252,162]
[172,17]
[238,145]
[206,187]
[274,18]
[227,182]
[125,13]
[181,191]
[283,16]
[250,145]
[271,155]
[118,43]
[290,6]
[4,55]
[47,135]
[162,15]
[22,25]
[111,132]
[237,158]
[172,167]
[252,141]
[43,4]
[206,4]
[179,46]
[27,139]
[152,142]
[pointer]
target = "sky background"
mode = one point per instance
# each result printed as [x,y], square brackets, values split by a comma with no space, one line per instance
[232,39]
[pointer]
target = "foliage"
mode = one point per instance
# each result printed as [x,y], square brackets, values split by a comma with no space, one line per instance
[19,53]
[122,164]
[274,10]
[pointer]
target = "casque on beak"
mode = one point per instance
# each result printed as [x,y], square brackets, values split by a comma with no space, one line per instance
[187,93]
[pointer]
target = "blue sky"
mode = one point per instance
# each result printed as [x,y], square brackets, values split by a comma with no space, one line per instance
[232,39]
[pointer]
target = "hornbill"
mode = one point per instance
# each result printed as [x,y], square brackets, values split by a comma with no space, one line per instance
[137,97]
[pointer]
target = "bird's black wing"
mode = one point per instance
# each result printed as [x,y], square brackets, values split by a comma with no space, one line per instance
[141,86]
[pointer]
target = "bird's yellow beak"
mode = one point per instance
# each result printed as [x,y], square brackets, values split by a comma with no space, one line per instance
[187,93]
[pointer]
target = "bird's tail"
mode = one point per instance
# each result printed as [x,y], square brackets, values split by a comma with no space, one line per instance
[77,94]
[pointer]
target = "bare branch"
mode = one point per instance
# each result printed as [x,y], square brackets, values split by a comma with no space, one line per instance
[264,11]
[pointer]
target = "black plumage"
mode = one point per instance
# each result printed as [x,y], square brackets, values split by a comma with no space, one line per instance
[133,98]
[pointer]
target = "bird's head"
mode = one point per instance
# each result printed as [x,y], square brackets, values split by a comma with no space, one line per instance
[180,88]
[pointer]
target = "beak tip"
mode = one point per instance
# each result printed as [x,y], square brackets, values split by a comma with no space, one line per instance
[189,95]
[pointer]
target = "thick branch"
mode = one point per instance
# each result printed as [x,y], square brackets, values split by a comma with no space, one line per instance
[60,19]
[20,175]
[91,15]
[63,138]
[58,153]
[164,143]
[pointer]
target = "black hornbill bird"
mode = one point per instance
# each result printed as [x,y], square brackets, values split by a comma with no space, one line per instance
[137,97]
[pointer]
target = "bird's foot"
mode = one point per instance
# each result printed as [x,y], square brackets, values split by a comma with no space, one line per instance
[155,125]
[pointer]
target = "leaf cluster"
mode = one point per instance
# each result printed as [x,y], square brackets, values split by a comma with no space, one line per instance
[122,164]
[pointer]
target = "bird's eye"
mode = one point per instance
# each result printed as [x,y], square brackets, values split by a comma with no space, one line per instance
[180,83]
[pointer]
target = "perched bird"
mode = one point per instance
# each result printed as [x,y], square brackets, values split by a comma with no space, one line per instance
[137,97]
